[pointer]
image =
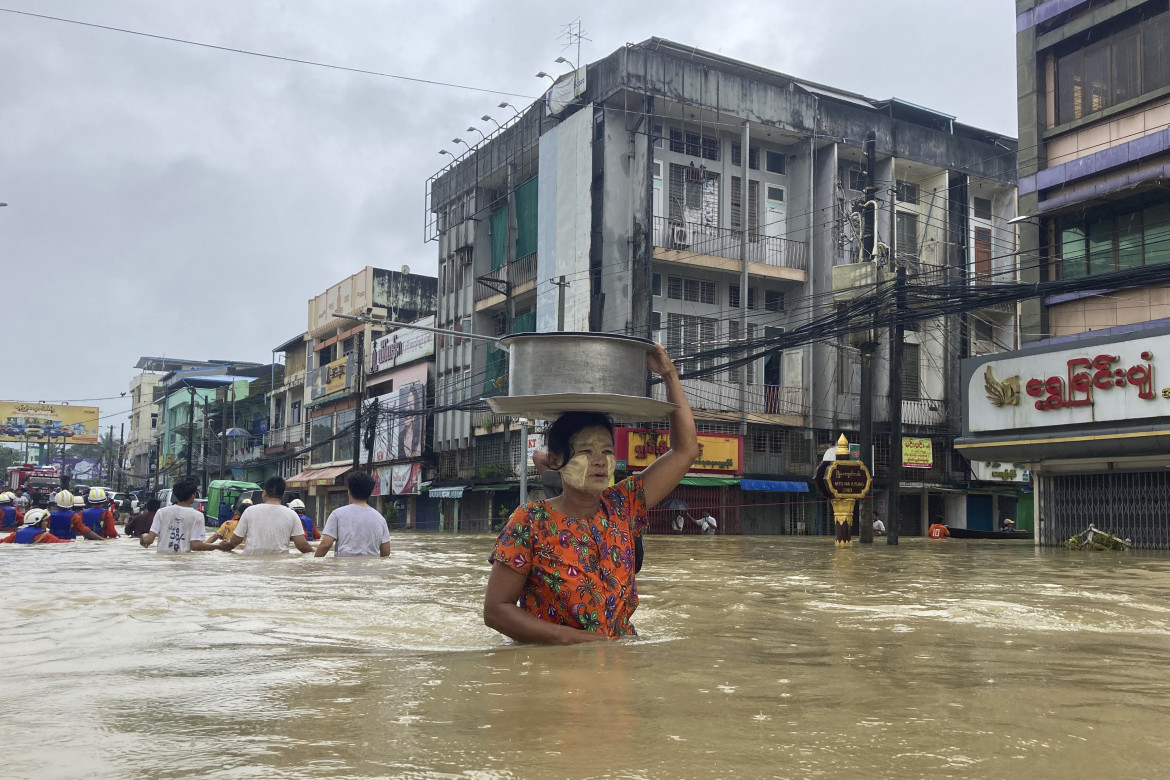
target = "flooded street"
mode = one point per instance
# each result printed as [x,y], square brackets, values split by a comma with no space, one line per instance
[758,657]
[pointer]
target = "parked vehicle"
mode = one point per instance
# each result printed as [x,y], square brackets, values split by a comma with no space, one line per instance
[257,497]
[134,504]
[223,496]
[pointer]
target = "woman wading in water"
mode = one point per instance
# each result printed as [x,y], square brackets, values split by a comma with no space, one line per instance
[563,569]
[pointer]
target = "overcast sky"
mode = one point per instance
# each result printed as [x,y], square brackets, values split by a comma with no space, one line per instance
[168,199]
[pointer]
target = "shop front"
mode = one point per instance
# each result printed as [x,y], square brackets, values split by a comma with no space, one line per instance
[1088,419]
[712,485]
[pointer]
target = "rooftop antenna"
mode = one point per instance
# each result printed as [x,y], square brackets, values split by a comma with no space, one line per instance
[572,34]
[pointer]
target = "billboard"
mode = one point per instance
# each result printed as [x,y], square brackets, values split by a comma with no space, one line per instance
[917,453]
[719,454]
[398,432]
[22,421]
[401,346]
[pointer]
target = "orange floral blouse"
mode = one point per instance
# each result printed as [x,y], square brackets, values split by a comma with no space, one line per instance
[579,571]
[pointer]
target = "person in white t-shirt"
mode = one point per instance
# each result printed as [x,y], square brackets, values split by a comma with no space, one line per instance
[707,524]
[357,528]
[178,527]
[268,526]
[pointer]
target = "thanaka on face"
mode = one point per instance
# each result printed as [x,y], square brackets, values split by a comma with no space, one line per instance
[593,463]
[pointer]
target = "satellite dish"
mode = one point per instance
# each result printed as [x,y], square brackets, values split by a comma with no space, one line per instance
[406,270]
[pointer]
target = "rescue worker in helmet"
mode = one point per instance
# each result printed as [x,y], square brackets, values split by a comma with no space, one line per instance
[99,516]
[64,523]
[10,515]
[311,532]
[34,531]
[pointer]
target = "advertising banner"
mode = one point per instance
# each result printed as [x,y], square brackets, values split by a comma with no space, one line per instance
[718,454]
[332,378]
[335,376]
[917,453]
[398,426]
[399,480]
[24,421]
[401,346]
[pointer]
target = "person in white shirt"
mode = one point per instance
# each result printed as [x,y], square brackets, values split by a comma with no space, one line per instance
[178,527]
[358,528]
[268,526]
[707,524]
[879,528]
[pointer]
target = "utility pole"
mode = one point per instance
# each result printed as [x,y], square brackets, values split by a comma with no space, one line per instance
[897,333]
[223,426]
[190,427]
[561,284]
[121,455]
[745,221]
[357,392]
[523,461]
[203,449]
[109,457]
[372,436]
[869,345]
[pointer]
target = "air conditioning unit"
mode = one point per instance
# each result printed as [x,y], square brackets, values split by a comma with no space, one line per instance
[680,237]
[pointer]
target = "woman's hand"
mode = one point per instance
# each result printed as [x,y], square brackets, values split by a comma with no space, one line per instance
[658,361]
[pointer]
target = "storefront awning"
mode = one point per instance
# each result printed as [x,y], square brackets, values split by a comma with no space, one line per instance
[310,477]
[709,481]
[774,486]
[486,488]
[455,491]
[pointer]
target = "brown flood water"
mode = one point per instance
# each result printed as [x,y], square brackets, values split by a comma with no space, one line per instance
[758,657]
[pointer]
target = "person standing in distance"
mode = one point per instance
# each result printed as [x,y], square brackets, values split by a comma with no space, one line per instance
[311,532]
[180,525]
[269,526]
[141,522]
[358,528]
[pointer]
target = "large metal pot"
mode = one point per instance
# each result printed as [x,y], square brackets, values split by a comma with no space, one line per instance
[551,363]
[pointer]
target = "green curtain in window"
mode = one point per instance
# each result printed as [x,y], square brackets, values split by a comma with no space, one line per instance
[495,368]
[526,218]
[498,225]
[524,323]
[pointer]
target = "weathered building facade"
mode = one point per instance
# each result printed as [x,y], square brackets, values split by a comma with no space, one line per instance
[1090,419]
[674,194]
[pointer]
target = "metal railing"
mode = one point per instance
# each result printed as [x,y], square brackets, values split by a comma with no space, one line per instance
[725,397]
[515,274]
[917,411]
[292,434]
[698,239]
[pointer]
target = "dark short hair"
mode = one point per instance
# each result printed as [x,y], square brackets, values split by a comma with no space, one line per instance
[153,505]
[360,485]
[184,489]
[274,486]
[567,426]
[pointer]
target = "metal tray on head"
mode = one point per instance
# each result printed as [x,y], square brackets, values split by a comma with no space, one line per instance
[550,406]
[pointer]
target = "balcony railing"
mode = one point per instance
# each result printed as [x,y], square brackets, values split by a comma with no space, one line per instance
[292,434]
[725,397]
[699,239]
[917,411]
[516,274]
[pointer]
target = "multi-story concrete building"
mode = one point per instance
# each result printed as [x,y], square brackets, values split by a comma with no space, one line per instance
[670,193]
[335,367]
[142,446]
[1085,412]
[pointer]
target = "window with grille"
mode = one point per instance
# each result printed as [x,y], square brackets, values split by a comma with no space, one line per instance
[733,296]
[682,288]
[981,208]
[753,156]
[774,162]
[753,206]
[906,228]
[907,191]
[687,334]
[674,287]
[911,383]
[773,300]
[694,195]
[694,144]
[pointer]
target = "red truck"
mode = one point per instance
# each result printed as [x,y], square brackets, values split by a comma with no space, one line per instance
[40,481]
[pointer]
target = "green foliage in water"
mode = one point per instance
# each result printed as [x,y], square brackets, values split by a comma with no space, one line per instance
[1100,541]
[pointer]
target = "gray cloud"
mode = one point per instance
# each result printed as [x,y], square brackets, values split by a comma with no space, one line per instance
[180,200]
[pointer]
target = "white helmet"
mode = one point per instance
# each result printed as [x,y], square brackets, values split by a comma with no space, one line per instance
[64,499]
[35,516]
[7,498]
[78,502]
[296,503]
[98,495]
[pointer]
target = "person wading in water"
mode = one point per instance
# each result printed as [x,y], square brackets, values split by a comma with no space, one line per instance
[569,560]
